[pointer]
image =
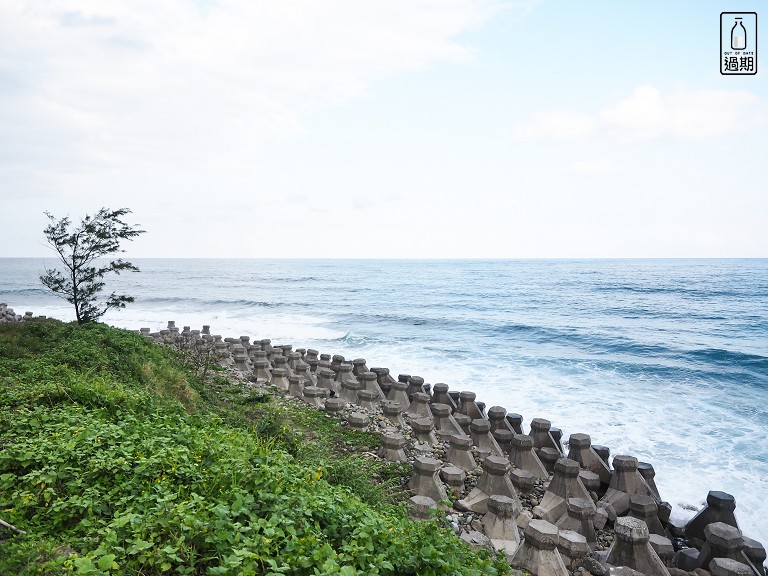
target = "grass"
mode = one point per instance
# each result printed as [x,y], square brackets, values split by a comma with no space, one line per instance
[115,460]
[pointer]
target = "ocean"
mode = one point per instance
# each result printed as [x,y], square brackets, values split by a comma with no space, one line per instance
[665,360]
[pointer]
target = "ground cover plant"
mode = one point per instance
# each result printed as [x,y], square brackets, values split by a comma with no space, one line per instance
[114,460]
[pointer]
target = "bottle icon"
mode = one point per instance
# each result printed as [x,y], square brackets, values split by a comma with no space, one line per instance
[738,35]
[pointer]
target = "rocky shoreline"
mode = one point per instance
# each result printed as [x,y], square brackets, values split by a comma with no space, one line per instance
[9,315]
[553,507]
[551,511]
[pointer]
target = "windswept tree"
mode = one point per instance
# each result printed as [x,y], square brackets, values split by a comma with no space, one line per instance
[80,250]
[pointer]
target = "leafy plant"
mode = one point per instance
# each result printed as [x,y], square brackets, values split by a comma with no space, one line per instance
[78,249]
[110,472]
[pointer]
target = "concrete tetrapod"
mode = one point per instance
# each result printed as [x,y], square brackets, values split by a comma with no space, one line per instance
[425,480]
[503,438]
[420,507]
[445,423]
[325,380]
[419,407]
[440,396]
[625,482]
[460,452]
[494,481]
[515,421]
[540,432]
[333,405]
[369,382]
[664,549]
[393,448]
[344,374]
[315,396]
[580,449]
[723,541]
[424,431]
[357,420]
[295,386]
[522,455]
[337,360]
[564,485]
[305,376]
[393,412]
[573,548]
[729,567]
[500,525]
[463,421]
[349,390]
[548,457]
[720,508]
[648,473]
[480,432]
[398,393]
[756,554]
[468,406]
[580,513]
[294,359]
[522,480]
[367,399]
[631,548]
[497,418]
[359,368]
[281,362]
[645,508]
[280,379]
[261,372]
[538,553]
[384,378]
[454,478]
[415,386]
[240,356]
[557,436]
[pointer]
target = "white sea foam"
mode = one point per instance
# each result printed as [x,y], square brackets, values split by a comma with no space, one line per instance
[275,325]
[694,445]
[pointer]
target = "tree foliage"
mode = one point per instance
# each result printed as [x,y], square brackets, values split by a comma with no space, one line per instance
[79,248]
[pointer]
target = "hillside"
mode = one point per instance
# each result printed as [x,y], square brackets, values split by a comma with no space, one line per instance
[114,460]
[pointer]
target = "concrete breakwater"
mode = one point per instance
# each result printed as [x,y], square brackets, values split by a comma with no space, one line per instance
[553,506]
[9,315]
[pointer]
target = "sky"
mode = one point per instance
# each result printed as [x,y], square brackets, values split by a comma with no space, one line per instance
[385,128]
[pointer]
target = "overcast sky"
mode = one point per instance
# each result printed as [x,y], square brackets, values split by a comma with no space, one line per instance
[384,129]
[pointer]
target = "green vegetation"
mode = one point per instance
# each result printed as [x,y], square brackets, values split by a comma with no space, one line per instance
[114,460]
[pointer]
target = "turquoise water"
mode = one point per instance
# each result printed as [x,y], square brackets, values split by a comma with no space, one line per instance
[666,360]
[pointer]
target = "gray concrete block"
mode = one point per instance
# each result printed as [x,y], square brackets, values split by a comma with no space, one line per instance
[522,456]
[494,481]
[631,548]
[538,553]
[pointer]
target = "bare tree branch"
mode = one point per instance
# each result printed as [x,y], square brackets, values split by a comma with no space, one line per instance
[5,524]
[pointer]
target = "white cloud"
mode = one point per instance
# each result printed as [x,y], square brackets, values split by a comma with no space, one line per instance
[710,114]
[556,125]
[600,166]
[641,116]
[179,81]
[649,113]
[684,114]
